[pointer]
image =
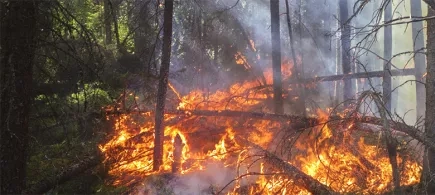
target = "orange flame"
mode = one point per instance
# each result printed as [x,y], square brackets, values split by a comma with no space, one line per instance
[241,60]
[332,156]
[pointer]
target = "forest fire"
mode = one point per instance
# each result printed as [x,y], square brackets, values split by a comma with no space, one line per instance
[332,155]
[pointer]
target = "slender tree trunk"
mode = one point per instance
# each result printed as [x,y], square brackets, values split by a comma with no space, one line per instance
[107,22]
[386,88]
[299,72]
[345,48]
[276,56]
[388,44]
[420,69]
[113,12]
[419,59]
[337,84]
[430,98]
[163,84]
[18,39]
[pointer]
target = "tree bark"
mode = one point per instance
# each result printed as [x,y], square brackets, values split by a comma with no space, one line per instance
[163,84]
[430,100]
[276,56]
[345,48]
[18,38]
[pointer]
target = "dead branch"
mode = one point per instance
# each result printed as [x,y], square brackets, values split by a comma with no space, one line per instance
[291,171]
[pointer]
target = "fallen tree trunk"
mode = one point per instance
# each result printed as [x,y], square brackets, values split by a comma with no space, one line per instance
[65,175]
[306,181]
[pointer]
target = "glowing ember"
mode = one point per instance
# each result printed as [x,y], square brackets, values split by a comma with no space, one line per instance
[332,156]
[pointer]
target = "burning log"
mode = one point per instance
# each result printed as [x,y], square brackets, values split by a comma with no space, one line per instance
[306,181]
[65,175]
[178,149]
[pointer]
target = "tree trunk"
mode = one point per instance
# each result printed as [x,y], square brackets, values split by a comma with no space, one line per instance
[419,66]
[388,44]
[345,48]
[301,108]
[18,39]
[113,13]
[107,22]
[163,84]
[419,58]
[276,56]
[430,98]
[430,3]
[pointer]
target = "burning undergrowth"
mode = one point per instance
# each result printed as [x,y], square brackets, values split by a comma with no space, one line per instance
[228,154]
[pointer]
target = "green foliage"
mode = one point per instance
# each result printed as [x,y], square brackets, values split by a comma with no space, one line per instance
[124,27]
[47,160]
[91,93]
